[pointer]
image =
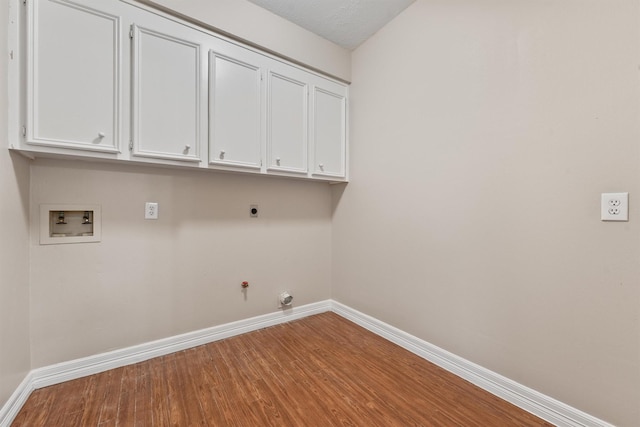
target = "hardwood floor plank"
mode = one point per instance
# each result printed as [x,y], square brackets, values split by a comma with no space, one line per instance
[126,402]
[36,414]
[187,387]
[93,392]
[159,403]
[111,398]
[178,414]
[142,395]
[317,371]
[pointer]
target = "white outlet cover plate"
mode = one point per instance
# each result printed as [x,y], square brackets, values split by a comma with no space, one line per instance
[614,207]
[151,210]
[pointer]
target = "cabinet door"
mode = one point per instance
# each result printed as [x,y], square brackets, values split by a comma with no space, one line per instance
[166,92]
[329,132]
[287,124]
[235,111]
[73,75]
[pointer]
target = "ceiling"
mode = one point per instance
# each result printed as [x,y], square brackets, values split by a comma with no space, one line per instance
[347,23]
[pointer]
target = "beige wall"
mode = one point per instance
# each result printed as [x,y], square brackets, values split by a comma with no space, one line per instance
[14,250]
[152,279]
[483,133]
[252,23]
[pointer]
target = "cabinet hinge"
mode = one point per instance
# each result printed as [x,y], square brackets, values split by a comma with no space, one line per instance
[130,145]
[24,2]
[24,131]
[131,32]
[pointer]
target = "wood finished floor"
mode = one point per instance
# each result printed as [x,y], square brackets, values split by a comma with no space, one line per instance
[318,371]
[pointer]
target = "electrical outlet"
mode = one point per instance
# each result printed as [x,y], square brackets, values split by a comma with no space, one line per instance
[151,210]
[614,207]
[253,211]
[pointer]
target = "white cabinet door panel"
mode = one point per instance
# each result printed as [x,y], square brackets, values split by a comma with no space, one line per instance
[287,124]
[73,86]
[235,112]
[329,133]
[166,90]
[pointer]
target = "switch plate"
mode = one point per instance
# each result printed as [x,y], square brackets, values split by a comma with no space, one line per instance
[151,210]
[614,207]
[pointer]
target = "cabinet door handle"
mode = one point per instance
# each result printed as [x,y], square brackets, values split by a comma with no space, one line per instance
[187,147]
[101,135]
[221,154]
[278,161]
[321,166]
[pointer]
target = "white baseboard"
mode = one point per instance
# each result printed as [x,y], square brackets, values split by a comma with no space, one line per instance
[10,409]
[536,403]
[78,368]
[61,372]
[530,400]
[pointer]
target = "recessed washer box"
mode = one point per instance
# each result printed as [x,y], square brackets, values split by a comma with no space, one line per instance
[63,223]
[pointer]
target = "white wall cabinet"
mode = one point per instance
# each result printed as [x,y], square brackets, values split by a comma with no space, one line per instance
[167,87]
[287,121]
[329,132]
[235,109]
[74,76]
[115,79]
